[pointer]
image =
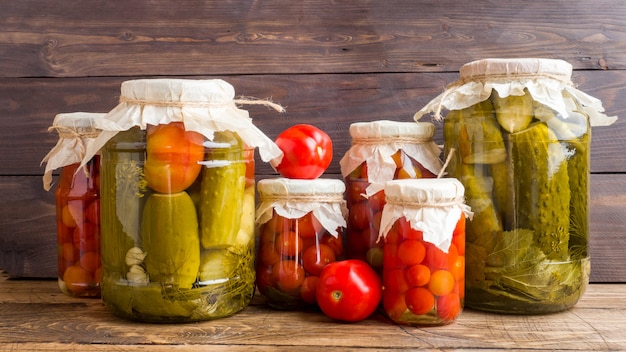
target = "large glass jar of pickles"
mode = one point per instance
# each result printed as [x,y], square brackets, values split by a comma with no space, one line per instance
[77,204]
[518,135]
[381,151]
[423,231]
[178,201]
[301,224]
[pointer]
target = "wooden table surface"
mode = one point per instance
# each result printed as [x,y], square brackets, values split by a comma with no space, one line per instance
[35,315]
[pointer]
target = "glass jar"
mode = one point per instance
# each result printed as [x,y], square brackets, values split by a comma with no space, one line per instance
[423,231]
[77,204]
[301,225]
[178,202]
[518,137]
[381,151]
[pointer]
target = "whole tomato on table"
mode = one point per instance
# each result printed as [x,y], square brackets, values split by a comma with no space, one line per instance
[348,290]
[307,152]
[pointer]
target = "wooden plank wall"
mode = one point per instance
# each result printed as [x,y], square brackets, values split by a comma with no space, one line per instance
[329,62]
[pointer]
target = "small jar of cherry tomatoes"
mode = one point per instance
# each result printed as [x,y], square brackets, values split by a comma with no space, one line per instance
[178,201]
[381,151]
[77,204]
[423,231]
[300,225]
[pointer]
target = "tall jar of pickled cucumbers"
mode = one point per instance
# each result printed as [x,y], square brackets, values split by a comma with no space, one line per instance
[518,134]
[77,204]
[423,231]
[301,224]
[178,201]
[381,151]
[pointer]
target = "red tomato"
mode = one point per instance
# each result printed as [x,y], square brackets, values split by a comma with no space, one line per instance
[307,152]
[348,290]
[172,157]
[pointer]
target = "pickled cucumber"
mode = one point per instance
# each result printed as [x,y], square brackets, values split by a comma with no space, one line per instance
[542,188]
[479,135]
[485,228]
[503,193]
[222,192]
[515,112]
[170,239]
[578,171]
[123,192]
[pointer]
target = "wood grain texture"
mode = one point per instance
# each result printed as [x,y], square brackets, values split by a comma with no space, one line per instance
[35,315]
[331,102]
[102,38]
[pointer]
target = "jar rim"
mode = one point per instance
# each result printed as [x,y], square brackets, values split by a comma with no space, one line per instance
[281,186]
[389,129]
[521,66]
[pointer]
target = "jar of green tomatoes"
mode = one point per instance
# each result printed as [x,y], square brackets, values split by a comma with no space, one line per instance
[77,198]
[381,151]
[177,202]
[518,133]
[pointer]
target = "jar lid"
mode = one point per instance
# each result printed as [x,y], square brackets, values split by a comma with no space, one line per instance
[548,81]
[425,191]
[293,199]
[76,131]
[205,106]
[281,186]
[554,68]
[433,206]
[83,121]
[390,129]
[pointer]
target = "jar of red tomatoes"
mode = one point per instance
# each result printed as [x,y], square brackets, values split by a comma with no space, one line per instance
[381,151]
[178,200]
[77,204]
[300,224]
[423,231]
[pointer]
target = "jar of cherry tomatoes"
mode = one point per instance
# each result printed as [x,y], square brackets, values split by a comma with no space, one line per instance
[300,224]
[178,201]
[77,204]
[381,151]
[423,231]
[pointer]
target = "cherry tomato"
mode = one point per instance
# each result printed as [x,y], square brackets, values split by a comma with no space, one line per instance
[448,306]
[315,259]
[308,288]
[172,156]
[307,152]
[419,300]
[348,290]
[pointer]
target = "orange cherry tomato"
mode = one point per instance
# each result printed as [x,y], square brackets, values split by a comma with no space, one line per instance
[441,282]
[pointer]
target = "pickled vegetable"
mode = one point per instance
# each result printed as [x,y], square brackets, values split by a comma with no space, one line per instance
[123,194]
[542,188]
[527,242]
[170,239]
[222,192]
[480,137]
[515,112]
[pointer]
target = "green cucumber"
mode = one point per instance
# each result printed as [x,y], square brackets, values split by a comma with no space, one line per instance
[222,192]
[542,190]
[515,112]
[170,239]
